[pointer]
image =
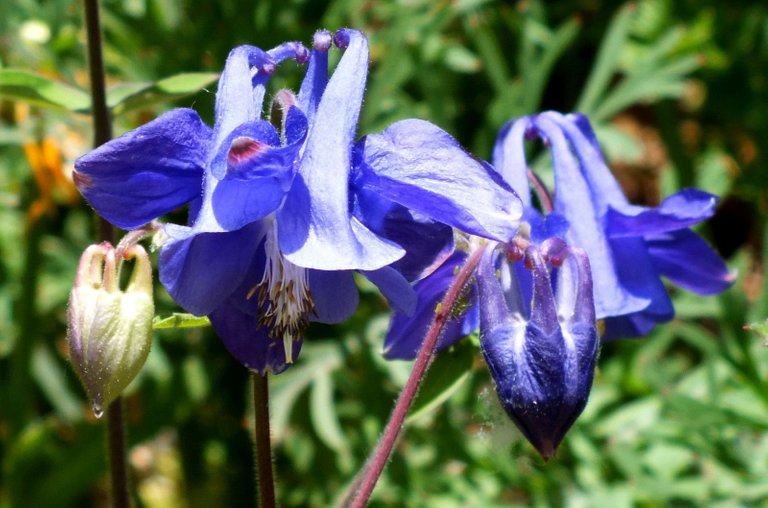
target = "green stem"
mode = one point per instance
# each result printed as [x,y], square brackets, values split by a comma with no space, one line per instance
[380,457]
[265,481]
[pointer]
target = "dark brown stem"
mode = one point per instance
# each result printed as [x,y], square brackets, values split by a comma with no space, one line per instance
[380,457]
[102,127]
[265,481]
[102,132]
[117,462]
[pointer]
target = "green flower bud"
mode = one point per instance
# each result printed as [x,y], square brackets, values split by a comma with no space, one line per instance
[110,330]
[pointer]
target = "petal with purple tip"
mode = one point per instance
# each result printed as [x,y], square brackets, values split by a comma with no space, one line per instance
[147,172]
[316,228]
[679,211]
[689,262]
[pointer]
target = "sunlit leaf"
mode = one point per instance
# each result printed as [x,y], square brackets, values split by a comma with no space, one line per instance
[179,320]
[129,96]
[29,87]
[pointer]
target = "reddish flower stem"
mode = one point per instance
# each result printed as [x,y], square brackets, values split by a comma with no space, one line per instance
[377,462]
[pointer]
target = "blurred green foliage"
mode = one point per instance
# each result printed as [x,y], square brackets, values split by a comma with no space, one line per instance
[679,95]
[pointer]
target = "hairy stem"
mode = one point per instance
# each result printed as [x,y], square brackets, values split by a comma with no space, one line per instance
[118,466]
[265,481]
[377,462]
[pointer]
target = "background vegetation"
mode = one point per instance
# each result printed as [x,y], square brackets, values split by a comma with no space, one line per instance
[679,93]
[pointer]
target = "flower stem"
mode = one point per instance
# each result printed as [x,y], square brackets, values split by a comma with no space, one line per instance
[265,482]
[117,462]
[375,465]
[102,132]
[102,127]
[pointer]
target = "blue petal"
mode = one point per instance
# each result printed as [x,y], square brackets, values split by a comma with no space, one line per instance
[509,157]
[395,289]
[605,189]
[420,166]
[681,210]
[427,242]
[316,78]
[238,101]
[335,295]
[686,260]
[200,271]
[147,172]
[257,176]
[406,334]
[635,325]
[574,201]
[315,227]
[250,344]
[260,131]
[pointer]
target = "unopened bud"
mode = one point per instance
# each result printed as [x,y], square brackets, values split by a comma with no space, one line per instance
[539,340]
[110,329]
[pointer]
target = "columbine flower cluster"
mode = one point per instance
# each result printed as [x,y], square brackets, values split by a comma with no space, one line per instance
[274,232]
[283,211]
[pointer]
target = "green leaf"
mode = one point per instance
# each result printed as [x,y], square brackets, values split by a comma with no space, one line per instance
[128,96]
[52,380]
[286,388]
[323,413]
[607,60]
[29,87]
[445,376]
[179,320]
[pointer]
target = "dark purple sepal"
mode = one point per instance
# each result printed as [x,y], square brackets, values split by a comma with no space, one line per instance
[542,364]
[249,343]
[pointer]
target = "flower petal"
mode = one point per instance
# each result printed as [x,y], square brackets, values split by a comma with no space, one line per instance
[509,157]
[427,242]
[257,177]
[250,344]
[420,166]
[315,226]
[200,271]
[605,189]
[574,201]
[678,211]
[689,262]
[233,155]
[238,101]
[335,295]
[316,78]
[395,289]
[406,334]
[147,172]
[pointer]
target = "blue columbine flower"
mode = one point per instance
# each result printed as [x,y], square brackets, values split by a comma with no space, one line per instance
[629,246]
[274,234]
[538,336]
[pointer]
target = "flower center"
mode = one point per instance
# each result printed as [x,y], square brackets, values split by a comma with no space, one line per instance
[283,295]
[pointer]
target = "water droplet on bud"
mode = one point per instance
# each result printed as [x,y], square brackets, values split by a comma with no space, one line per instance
[98,412]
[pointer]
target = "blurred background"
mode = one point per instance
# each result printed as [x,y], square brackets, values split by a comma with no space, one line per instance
[678,91]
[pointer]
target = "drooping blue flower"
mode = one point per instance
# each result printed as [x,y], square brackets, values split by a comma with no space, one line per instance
[538,338]
[274,234]
[629,246]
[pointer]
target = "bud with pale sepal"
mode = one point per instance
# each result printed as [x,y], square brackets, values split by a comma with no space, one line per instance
[538,336]
[110,329]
